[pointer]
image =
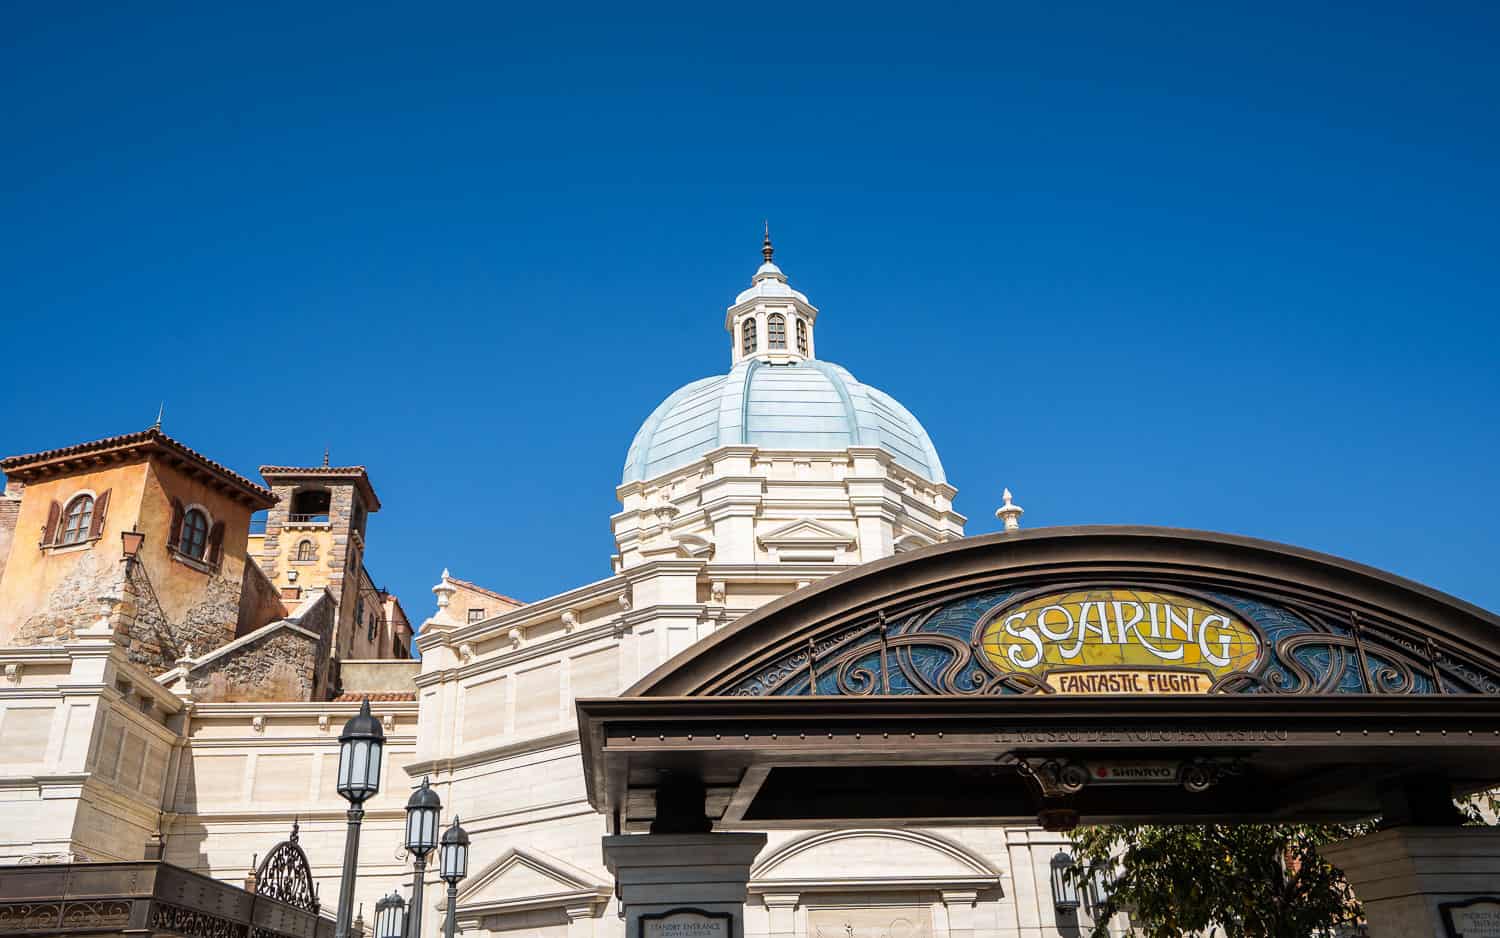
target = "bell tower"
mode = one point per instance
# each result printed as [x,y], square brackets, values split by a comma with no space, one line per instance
[315,538]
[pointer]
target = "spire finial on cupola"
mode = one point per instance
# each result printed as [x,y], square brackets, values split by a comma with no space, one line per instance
[765,247]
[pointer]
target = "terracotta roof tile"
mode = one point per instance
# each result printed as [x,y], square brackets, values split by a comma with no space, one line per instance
[30,466]
[376,697]
[359,474]
[465,584]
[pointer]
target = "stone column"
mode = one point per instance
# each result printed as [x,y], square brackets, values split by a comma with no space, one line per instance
[682,885]
[1404,874]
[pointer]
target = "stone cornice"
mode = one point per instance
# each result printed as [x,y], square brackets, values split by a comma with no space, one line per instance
[645,614]
[762,572]
[695,469]
[589,594]
[35,654]
[448,764]
[542,649]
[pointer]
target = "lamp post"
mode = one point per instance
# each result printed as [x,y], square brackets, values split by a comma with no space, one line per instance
[422,811]
[360,747]
[390,916]
[454,866]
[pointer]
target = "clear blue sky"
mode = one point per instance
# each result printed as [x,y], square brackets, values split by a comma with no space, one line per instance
[1220,267]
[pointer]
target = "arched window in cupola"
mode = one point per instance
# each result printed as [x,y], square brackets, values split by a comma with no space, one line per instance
[776,331]
[802,337]
[747,337]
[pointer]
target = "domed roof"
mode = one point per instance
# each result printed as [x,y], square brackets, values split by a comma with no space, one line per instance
[804,405]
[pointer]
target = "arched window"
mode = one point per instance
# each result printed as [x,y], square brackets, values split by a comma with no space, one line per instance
[802,337]
[77,520]
[194,538]
[776,331]
[306,551]
[747,337]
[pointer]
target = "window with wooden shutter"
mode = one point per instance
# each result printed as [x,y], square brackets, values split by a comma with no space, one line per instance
[77,521]
[194,538]
[174,533]
[216,543]
[49,531]
[101,507]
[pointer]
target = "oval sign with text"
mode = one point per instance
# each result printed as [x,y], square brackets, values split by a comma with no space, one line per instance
[1111,640]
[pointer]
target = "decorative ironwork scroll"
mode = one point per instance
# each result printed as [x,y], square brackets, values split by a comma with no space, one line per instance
[194,924]
[286,876]
[30,916]
[1142,638]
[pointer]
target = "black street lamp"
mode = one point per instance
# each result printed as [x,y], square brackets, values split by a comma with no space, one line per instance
[454,864]
[390,916]
[422,811]
[360,747]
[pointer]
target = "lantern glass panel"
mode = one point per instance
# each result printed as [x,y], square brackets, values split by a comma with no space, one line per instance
[346,761]
[372,779]
[1064,889]
[360,768]
[455,861]
[421,829]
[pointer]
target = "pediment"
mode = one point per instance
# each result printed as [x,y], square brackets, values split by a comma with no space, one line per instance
[523,879]
[870,858]
[806,533]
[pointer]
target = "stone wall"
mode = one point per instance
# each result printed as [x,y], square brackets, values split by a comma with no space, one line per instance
[10,513]
[155,642]
[74,603]
[282,666]
[259,601]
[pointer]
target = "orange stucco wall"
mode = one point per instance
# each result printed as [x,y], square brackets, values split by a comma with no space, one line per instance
[62,584]
[174,604]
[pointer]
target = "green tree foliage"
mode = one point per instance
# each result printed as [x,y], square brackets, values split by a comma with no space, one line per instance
[1246,880]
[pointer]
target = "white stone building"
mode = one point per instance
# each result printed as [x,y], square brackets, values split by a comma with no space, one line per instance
[737,490]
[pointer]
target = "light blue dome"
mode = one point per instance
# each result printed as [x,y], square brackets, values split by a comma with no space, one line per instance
[807,405]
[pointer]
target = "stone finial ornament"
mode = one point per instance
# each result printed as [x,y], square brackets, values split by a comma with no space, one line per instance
[1010,514]
[444,591]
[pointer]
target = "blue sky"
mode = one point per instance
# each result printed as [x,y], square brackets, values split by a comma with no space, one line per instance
[1218,266]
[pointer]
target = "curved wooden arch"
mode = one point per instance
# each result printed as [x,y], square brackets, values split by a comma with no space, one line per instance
[1460,633]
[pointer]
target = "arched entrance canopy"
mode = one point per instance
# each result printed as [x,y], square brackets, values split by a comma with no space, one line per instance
[1107,673]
